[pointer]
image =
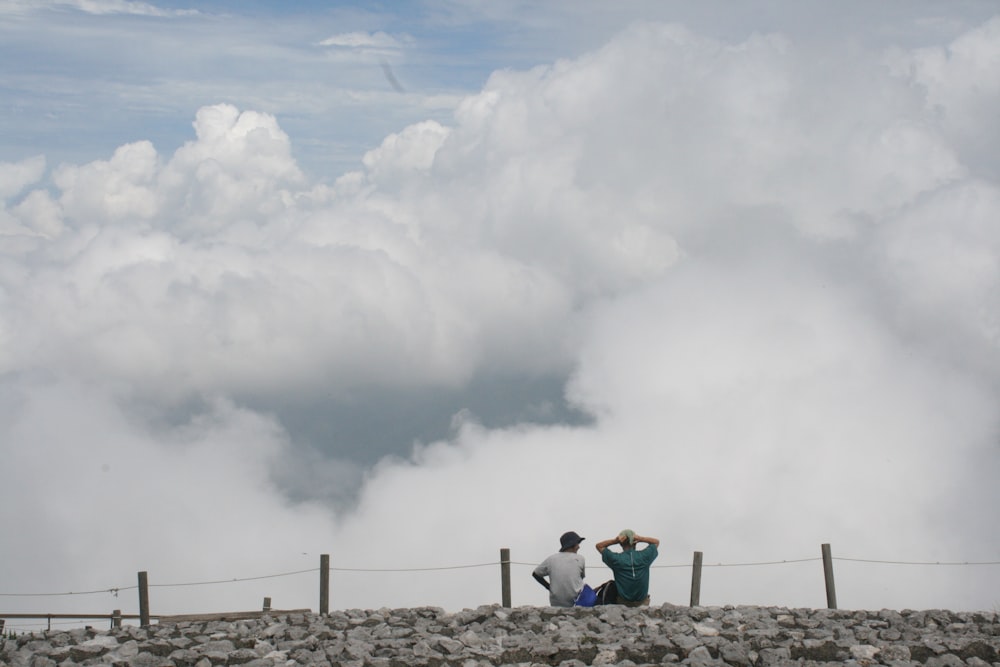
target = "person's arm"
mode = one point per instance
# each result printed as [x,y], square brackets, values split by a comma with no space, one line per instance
[604,544]
[648,540]
[540,579]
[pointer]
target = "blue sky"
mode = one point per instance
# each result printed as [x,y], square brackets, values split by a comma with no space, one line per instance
[81,78]
[414,273]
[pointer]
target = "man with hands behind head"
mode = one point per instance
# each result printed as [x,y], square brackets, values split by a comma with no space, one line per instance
[630,565]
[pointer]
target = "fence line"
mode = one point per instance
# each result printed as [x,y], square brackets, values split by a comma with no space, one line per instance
[118,589]
[504,563]
[904,562]
[229,581]
[115,590]
[33,595]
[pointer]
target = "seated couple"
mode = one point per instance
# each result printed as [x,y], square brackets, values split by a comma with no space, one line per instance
[566,569]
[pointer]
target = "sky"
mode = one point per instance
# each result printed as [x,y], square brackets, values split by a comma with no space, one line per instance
[408,283]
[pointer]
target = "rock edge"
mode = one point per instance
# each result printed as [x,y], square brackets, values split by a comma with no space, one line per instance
[533,636]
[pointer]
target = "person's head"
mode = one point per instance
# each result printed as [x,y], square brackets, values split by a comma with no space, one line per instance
[569,542]
[627,539]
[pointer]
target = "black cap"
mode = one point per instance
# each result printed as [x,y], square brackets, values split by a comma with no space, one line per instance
[569,540]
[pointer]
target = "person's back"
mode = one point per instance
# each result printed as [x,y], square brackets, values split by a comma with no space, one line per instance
[565,570]
[630,566]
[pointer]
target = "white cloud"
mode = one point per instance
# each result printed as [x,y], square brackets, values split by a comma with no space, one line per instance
[363,40]
[15,177]
[772,277]
[412,149]
[26,219]
[105,7]
[962,90]
[120,499]
[943,259]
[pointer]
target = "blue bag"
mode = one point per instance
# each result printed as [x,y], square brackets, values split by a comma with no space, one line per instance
[586,597]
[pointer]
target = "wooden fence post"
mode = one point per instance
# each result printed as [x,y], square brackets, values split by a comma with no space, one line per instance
[143,599]
[116,619]
[831,592]
[267,604]
[696,580]
[324,583]
[505,578]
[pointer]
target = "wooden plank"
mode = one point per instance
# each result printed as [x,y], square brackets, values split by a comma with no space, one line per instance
[229,615]
[71,616]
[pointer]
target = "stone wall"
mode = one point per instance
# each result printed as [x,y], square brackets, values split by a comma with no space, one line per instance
[491,635]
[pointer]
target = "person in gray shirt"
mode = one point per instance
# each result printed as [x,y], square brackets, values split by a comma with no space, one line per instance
[565,570]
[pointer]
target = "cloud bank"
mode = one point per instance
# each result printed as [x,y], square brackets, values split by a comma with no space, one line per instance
[769,279]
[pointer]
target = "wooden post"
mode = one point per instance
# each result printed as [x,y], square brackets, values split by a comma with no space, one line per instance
[831,592]
[143,599]
[267,604]
[116,619]
[696,580]
[324,583]
[505,578]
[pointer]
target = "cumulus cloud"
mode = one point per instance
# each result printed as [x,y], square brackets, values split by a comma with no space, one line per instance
[961,91]
[118,498]
[104,7]
[768,279]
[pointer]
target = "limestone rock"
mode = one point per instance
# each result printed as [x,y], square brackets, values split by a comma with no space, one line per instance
[490,636]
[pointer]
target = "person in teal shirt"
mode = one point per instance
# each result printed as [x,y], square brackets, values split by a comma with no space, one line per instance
[630,565]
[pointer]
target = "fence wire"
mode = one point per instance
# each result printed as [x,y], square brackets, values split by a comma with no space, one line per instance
[117,589]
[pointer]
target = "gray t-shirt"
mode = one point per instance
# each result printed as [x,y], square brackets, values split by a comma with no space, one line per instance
[565,571]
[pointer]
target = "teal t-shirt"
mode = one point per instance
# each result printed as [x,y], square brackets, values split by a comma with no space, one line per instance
[631,570]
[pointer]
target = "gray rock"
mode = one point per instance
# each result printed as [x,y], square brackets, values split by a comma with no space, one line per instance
[534,637]
[85,651]
[735,654]
[701,657]
[946,660]
[864,652]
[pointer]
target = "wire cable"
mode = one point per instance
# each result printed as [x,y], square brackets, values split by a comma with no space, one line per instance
[115,590]
[234,580]
[412,569]
[903,562]
[772,562]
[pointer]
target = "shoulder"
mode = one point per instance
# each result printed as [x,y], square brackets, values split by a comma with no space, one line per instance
[547,562]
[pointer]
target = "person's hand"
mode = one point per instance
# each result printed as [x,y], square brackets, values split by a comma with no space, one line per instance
[622,539]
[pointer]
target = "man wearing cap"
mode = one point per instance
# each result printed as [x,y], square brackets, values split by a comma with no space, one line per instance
[631,566]
[565,571]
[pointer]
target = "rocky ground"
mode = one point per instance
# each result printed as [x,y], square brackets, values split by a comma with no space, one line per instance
[533,636]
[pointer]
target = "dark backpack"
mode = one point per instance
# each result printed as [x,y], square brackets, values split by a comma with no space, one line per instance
[607,593]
